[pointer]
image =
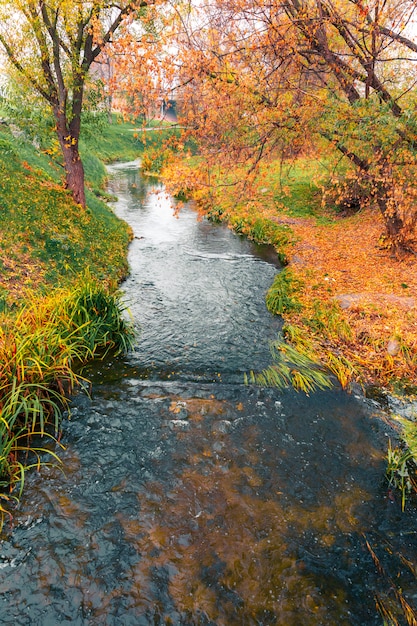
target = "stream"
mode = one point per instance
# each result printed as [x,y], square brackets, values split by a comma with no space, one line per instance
[189,498]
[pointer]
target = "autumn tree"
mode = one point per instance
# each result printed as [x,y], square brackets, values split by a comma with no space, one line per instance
[263,76]
[52,44]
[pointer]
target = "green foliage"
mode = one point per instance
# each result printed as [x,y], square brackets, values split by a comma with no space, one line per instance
[362,124]
[3,300]
[327,318]
[94,316]
[101,138]
[291,368]
[32,120]
[7,148]
[94,116]
[282,295]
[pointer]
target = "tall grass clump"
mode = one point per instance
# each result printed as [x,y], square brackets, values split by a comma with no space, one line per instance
[402,460]
[282,295]
[41,348]
[327,318]
[291,368]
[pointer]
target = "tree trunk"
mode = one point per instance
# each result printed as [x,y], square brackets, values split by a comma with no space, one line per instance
[74,169]
[393,224]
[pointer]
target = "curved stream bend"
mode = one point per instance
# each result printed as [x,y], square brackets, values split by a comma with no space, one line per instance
[189,498]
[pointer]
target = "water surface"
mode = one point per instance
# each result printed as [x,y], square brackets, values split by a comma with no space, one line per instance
[188,498]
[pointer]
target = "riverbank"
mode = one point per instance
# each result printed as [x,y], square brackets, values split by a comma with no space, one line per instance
[344,297]
[346,301]
[46,241]
[60,268]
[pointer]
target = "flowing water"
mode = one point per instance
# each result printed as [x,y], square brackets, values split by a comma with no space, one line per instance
[188,498]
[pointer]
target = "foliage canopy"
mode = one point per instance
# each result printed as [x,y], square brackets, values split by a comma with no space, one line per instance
[288,76]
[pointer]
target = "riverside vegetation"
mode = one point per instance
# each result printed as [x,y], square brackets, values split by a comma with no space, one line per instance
[54,315]
[347,302]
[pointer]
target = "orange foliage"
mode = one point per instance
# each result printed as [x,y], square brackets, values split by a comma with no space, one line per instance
[257,78]
[343,263]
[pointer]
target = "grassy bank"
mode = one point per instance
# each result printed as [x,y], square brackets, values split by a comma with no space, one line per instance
[53,315]
[42,344]
[46,240]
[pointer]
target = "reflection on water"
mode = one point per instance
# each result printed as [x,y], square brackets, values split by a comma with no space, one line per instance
[188,498]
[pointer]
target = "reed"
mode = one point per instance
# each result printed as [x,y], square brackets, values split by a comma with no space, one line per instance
[341,367]
[41,348]
[402,460]
[282,296]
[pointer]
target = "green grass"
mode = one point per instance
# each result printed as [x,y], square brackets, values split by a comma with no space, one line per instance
[45,239]
[112,142]
[261,230]
[296,187]
[123,140]
[282,295]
